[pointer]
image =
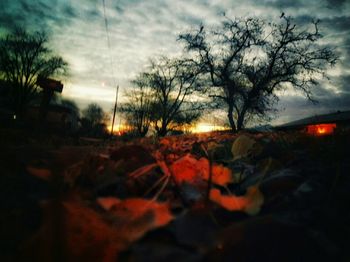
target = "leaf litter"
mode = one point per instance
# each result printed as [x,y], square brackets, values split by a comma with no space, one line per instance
[200,196]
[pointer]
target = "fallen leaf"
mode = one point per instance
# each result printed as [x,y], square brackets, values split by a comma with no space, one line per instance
[245,146]
[136,216]
[107,202]
[73,232]
[250,203]
[186,169]
[42,173]
[220,175]
[189,169]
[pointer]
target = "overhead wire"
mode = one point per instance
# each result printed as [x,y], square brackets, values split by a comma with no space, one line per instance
[112,64]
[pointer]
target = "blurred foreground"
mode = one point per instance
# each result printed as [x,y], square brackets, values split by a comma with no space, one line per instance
[213,196]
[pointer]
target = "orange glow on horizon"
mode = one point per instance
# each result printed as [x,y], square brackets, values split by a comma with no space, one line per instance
[321,129]
[119,129]
[204,127]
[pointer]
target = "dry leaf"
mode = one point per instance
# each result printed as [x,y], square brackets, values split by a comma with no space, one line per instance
[80,232]
[250,203]
[189,169]
[87,235]
[186,169]
[42,173]
[136,216]
[220,175]
[245,146]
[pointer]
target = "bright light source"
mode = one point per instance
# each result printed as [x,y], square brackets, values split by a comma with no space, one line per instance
[204,127]
[321,129]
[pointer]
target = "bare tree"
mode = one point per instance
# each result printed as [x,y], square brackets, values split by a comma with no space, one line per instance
[24,57]
[93,121]
[173,82]
[138,107]
[94,114]
[247,60]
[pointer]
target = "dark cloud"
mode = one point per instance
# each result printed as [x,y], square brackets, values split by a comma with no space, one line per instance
[343,83]
[338,23]
[335,3]
[282,4]
[69,11]
[37,15]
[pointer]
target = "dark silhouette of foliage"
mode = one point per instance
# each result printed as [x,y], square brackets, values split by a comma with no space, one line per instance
[162,96]
[173,82]
[93,121]
[23,57]
[138,108]
[248,60]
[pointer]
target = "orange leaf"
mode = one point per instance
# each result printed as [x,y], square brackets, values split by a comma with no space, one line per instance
[189,169]
[186,169]
[42,173]
[135,209]
[220,175]
[250,203]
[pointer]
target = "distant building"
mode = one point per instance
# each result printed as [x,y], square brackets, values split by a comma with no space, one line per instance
[320,124]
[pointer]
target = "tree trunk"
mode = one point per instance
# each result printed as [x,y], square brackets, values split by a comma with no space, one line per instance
[230,118]
[240,120]
[162,131]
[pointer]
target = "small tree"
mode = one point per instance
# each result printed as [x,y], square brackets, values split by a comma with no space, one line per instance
[138,108]
[24,57]
[94,120]
[173,82]
[247,60]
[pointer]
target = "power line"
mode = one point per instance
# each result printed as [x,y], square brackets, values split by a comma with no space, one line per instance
[112,63]
[115,109]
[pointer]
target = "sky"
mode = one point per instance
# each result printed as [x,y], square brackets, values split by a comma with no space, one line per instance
[142,29]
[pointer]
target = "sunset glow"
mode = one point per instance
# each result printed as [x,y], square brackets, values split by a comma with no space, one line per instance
[119,129]
[321,129]
[204,127]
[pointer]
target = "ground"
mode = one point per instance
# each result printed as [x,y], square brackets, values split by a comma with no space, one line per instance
[213,197]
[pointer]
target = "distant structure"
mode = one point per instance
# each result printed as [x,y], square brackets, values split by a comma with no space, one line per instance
[49,86]
[319,124]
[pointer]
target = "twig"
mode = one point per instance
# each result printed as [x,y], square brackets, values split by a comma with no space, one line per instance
[210,178]
[156,184]
[161,189]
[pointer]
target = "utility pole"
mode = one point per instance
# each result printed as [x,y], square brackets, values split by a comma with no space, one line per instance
[115,109]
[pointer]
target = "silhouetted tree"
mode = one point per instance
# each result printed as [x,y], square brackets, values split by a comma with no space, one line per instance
[24,57]
[138,107]
[247,60]
[94,120]
[173,81]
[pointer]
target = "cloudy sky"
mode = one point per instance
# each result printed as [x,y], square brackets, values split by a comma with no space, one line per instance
[141,29]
